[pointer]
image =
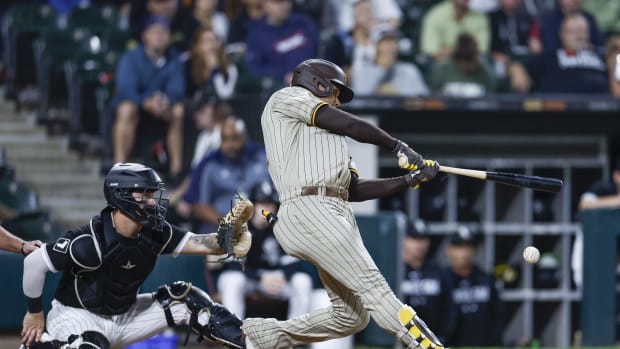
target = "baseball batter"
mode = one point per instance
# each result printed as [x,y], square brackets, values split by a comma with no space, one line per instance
[309,163]
[103,264]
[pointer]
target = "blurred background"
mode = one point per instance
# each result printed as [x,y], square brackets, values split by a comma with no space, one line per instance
[524,86]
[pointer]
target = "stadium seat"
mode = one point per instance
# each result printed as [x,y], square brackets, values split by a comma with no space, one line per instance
[52,50]
[21,25]
[17,199]
[85,74]
[97,18]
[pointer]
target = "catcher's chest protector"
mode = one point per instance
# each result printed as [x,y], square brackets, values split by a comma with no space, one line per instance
[111,289]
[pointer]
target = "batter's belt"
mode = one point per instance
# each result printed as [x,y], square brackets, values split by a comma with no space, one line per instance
[335,192]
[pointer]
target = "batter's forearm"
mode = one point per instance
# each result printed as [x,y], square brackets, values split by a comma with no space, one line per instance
[369,189]
[347,124]
[203,244]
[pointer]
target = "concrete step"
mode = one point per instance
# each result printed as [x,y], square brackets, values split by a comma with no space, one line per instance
[38,152]
[72,219]
[93,204]
[69,190]
[85,167]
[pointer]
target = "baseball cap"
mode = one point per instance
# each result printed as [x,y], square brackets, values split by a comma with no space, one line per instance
[264,192]
[152,20]
[463,236]
[416,229]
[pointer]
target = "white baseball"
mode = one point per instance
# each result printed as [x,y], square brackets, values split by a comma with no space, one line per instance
[531,254]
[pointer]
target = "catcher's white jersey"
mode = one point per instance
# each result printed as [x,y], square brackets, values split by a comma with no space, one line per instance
[298,153]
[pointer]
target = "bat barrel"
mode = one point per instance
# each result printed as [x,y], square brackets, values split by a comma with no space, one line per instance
[552,185]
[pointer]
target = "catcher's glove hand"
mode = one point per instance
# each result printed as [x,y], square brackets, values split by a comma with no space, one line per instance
[232,231]
[427,172]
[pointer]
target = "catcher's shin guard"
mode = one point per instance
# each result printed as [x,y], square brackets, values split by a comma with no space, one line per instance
[208,319]
[423,336]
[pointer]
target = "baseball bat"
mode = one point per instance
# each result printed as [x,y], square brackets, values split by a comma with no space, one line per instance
[552,185]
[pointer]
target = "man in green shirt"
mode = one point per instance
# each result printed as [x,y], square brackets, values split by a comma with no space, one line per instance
[445,21]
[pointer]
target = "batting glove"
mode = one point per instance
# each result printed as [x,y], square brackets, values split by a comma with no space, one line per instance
[427,172]
[414,160]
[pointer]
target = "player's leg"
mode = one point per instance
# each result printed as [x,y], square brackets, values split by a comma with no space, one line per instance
[232,287]
[330,228]
[345,315]
[179,303]
[64,323]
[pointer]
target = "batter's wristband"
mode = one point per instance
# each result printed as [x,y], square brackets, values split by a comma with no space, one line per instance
[35,305]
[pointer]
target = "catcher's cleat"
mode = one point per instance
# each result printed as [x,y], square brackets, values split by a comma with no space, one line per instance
[418,329]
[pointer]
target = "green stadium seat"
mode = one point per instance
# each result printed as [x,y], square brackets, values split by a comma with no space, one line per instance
[98,18]
[21,25]
[18,198]
[52,50]
[116,39]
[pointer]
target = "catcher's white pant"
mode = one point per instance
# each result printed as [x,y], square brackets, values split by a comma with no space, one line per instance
[233,285]
[323,230]
[144,319]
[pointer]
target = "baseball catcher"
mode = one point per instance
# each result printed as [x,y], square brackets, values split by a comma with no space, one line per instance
[104,263]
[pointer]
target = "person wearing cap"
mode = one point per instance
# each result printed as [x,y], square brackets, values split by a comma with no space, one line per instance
[269,271]
[150,86]
[465,74]
[421,285]
[475,315]
[386,75]
[233,169]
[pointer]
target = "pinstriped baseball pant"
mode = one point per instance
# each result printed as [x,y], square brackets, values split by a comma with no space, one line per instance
[144,319]
[323,230]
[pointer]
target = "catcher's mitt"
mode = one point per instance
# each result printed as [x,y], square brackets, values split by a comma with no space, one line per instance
[232,232]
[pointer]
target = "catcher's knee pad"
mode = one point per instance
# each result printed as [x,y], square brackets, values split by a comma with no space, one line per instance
[87,340]
[418,333]
[220,324]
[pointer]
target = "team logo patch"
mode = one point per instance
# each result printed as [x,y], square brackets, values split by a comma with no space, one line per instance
[61,245]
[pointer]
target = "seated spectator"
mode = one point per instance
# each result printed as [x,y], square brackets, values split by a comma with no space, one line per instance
[386,12]
[421,285]
[386,75]
[240,25]
[513,33]
[612,50]
[551,26]
[182,23]
[476,316]
[573,68]
[269,271]
[444,22]
[279,41]
[208,67]
[233,169]
[348,46]
[149,91]
[465,74]
[205,11]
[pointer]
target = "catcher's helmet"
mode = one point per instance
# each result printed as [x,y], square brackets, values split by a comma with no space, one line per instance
[123,180]
[313,73]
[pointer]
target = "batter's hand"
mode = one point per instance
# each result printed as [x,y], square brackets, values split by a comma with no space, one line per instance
[33,326]
[413,160]
[427,172]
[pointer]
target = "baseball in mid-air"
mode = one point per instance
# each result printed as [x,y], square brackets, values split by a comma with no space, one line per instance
[531,254]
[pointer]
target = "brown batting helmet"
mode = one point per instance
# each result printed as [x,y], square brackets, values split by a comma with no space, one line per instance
[314,73]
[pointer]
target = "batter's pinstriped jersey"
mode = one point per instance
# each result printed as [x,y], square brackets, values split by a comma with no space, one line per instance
[299,154]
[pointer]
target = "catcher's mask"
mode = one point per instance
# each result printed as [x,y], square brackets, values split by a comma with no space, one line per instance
[318,75]
[138,192]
